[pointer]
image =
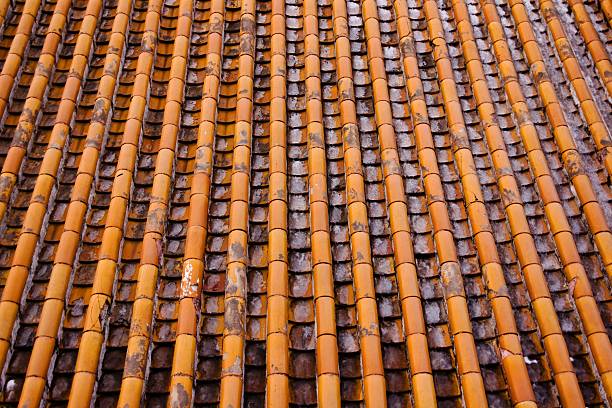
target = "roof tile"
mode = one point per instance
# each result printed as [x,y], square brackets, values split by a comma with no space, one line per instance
[333,202]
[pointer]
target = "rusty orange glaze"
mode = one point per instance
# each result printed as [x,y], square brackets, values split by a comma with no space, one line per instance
[416,340]
[469,369]
[277,316]
[563,136]
[43,189]
[52,311]
[304,202]
[232,364]
[508,184]
[394,187]
[590,111]
[31,109]
[184,359]
[606,8]
[593,42]
[4,10]
[513,361]
[137,354]
[328,379]
[16,53]
[102,291]
[593,325]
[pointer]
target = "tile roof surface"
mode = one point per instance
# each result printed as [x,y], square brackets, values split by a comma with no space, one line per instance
[305,202]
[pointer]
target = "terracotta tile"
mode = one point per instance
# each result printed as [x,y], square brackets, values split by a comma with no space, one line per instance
[339,202]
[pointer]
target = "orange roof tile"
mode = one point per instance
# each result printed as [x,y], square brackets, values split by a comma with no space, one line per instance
[305,202]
